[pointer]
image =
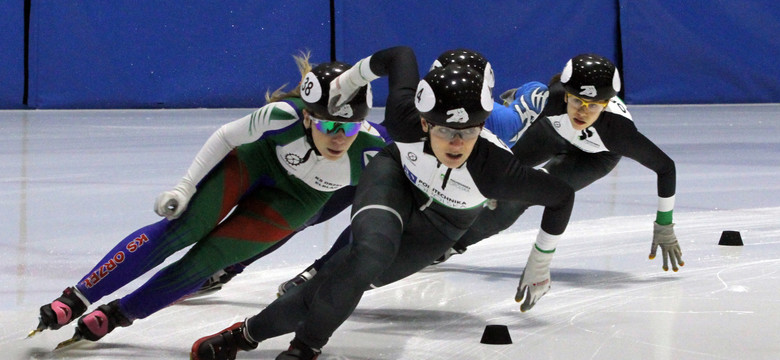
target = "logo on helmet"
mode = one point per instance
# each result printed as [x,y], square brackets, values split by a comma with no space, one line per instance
[588,90]
[458,115]
[345,111]
[425,99]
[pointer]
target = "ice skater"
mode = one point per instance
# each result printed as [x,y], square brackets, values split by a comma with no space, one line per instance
[415,199]
[275,168]
[506,122]
[583,132]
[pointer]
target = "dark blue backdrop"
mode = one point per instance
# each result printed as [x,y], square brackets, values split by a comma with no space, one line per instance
[701,51]
[154,54]
[199,53]
[11,54]
[517,37]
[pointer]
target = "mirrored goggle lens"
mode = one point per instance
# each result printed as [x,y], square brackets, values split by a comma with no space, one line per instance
[450,133]
[332,127]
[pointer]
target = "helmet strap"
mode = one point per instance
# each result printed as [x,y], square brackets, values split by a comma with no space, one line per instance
[309,136]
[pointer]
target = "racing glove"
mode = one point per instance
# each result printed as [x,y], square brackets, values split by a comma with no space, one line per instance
[172,203]
[535,281]
[663,236]
[345,86]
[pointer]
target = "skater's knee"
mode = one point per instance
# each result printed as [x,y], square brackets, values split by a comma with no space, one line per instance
[371,258]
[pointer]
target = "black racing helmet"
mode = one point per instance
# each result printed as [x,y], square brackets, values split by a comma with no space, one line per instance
[591,77]
[316,86]
[468,58]
[454,96]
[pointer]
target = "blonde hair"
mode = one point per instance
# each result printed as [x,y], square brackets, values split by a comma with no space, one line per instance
[304,66]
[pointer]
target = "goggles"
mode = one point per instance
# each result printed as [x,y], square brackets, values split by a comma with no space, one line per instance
[592,106]
[330,127]
[449,134]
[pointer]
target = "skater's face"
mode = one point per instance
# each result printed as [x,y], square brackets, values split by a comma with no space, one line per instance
[331,138]
[451,146]
[583,113]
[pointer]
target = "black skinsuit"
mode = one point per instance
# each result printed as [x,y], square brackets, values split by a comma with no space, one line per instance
[408,210]
[577,157]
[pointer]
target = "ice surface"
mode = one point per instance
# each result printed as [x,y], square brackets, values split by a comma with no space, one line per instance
[73,183]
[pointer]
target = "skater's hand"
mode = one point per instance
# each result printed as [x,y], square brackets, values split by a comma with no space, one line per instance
[341,92]
[535,281]
[345,86]
[663,236]
[529,293]
[528,100]
[172,203]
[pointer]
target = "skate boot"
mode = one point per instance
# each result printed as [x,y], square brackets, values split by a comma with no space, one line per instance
[299,279]
[215,282]
[102,321]
[455,249]
[223,345]
[299,351]
[62,311]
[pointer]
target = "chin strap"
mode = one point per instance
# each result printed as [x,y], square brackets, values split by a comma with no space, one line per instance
[310,140]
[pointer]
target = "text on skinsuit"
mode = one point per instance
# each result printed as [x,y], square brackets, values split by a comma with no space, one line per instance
[114,262]
[137,242]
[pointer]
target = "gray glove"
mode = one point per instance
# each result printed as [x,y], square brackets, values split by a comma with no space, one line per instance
[172,203]
[663,236]
[535,281]
[491,204]
[508,96]
[345,86]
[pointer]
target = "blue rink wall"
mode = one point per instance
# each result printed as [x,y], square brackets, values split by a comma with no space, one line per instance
[213,54]
[11,54]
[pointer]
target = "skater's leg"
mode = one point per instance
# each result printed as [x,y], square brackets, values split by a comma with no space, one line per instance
[383,204]
[149,246]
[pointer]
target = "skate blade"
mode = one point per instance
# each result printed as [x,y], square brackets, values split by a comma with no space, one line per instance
[68,342]
[200,294]
[40,328]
